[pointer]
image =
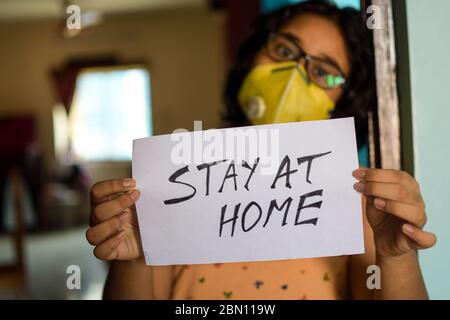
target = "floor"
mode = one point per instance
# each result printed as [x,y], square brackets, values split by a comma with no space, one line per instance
[47,258]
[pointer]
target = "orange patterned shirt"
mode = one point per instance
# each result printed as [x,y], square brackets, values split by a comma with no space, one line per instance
[298,279]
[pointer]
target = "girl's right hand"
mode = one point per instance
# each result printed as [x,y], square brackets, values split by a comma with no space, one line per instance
[114,229]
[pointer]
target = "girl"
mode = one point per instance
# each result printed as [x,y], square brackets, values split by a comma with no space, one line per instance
[309,61]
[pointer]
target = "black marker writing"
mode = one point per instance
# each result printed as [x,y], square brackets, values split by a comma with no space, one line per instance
[313,205]
[310,159]
[252,171]
[255,211]
[232,220]
[244,215]
[228,176]
[285,163]
[207,166]
[274,205]
[173,179]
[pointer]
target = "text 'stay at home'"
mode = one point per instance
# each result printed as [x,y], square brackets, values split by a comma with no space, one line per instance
[241,180]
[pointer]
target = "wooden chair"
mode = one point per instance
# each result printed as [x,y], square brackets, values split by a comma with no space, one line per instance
[12,275]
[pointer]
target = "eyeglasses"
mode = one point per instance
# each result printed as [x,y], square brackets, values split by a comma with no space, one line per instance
[281,47]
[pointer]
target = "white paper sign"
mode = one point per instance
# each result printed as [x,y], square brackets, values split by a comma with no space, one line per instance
[256,193]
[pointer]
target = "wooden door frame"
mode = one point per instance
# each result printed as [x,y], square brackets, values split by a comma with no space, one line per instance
[384,123]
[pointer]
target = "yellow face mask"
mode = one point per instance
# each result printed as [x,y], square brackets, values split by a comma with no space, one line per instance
[281,92]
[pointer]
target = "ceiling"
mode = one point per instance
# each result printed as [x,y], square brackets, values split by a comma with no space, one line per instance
[45,9]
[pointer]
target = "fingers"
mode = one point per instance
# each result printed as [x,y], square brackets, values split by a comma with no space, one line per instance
[108,249]
[386,176]
[389,191]
[107,210]
[412,214]
[421,239]
[109,187]
[374,216]
[109,237]
[106,229]
[395,194]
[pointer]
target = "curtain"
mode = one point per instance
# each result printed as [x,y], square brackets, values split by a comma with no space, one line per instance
[65,77]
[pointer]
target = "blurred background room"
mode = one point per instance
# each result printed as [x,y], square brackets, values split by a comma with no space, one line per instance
[72,100]
[136,69]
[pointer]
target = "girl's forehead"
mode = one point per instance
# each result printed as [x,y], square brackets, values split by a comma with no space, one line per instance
[320,37]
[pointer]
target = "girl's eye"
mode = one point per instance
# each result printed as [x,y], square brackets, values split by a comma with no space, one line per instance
[320,72]
[284,52]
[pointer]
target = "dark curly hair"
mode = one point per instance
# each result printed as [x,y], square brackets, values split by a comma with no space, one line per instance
[359,96]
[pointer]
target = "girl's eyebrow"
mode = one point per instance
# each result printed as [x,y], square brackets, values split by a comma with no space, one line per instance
[293,37]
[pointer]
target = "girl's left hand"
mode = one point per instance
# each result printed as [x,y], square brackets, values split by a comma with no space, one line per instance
[395,210]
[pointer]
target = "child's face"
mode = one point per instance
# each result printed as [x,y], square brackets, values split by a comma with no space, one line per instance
[318,37]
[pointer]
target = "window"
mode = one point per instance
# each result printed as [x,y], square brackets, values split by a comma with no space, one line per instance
[111,107]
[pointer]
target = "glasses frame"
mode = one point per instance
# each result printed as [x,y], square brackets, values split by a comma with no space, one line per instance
[307,57]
